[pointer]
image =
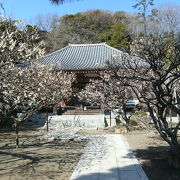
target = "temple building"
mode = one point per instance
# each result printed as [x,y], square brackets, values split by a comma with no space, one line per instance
[86,61]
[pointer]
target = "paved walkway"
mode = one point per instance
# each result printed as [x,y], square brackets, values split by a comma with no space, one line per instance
[108,157]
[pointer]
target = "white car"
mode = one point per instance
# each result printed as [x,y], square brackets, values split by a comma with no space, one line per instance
[132,103]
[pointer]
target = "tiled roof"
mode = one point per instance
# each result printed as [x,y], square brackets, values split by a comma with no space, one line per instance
[82,56]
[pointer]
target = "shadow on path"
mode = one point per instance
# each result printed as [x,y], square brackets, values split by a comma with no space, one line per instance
[120,173]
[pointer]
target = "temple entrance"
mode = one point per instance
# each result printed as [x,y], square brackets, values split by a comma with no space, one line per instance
[75,106]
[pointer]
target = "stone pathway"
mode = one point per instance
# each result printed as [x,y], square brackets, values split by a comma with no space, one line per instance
[108,157]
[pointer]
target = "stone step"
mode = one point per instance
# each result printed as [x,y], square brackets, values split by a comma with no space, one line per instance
[79,121]
[79,112]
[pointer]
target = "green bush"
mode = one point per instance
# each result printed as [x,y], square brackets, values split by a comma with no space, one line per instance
[133,123]
[140,113]
[119,126]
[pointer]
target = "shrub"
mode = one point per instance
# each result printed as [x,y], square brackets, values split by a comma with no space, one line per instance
[140,113]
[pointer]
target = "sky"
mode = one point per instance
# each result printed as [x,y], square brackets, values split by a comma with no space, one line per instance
[29,9]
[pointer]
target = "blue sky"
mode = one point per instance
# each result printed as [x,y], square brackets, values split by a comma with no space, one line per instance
[28,9]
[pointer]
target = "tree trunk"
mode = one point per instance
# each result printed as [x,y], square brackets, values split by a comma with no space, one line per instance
[125,117]
[47,122]
[110,118]
[17,134]
[2,117]
[1,121]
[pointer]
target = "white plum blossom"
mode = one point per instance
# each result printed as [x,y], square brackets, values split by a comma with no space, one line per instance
[26,89]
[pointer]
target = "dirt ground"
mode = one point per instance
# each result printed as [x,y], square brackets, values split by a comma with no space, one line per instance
[37,159]
[152,152]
